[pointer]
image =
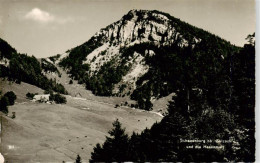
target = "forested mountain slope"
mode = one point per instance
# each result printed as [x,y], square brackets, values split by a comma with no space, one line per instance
[21,67]
[148,55]
[198,127]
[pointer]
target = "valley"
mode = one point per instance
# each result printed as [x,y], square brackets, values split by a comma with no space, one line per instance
[155,75]
[58,132]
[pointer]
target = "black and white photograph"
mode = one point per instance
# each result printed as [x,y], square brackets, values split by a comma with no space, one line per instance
[127,81]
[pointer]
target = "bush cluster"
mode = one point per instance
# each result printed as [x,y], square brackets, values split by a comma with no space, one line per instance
[6,100]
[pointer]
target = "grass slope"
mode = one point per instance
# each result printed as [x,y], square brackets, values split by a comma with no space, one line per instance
[55,133]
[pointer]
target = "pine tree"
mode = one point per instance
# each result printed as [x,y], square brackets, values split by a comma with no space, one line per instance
[115,147]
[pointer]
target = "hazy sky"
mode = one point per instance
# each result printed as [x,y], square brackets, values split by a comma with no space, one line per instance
[49,27]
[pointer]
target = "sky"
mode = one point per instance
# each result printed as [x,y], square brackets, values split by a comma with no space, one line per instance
[48,27]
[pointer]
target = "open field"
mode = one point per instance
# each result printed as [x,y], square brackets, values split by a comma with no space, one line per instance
[54,133]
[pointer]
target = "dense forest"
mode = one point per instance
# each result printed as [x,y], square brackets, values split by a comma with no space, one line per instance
[21,67]
[174,68]
[222,109]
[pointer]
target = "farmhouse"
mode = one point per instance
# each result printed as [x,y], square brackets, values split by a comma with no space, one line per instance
[42,98]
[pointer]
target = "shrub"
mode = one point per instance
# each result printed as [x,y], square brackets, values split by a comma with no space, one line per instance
[78,159]
[3,104]
[13,115]
[6,100]
[58,98]
[11,97]
[30,95]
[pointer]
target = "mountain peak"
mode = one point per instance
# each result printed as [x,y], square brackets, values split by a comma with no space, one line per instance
[151,12]
[118,57]
[133,11]
[140,26]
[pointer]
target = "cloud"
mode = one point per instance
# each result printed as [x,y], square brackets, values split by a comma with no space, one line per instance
[39,15]
[44,17]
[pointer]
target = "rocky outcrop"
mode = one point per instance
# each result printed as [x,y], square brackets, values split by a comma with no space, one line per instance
[122,58]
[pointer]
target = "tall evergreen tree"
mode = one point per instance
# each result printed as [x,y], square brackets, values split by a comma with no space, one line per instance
[115,147]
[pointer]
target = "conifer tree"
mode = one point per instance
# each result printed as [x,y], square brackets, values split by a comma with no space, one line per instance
[115,147]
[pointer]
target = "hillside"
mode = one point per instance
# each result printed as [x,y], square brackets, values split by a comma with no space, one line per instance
[54,133]
[145,55]
[206,124]
[19,68]
[196,128]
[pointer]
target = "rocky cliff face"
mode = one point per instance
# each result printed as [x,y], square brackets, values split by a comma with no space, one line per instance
[140,26]
[136,27]
[118,59]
